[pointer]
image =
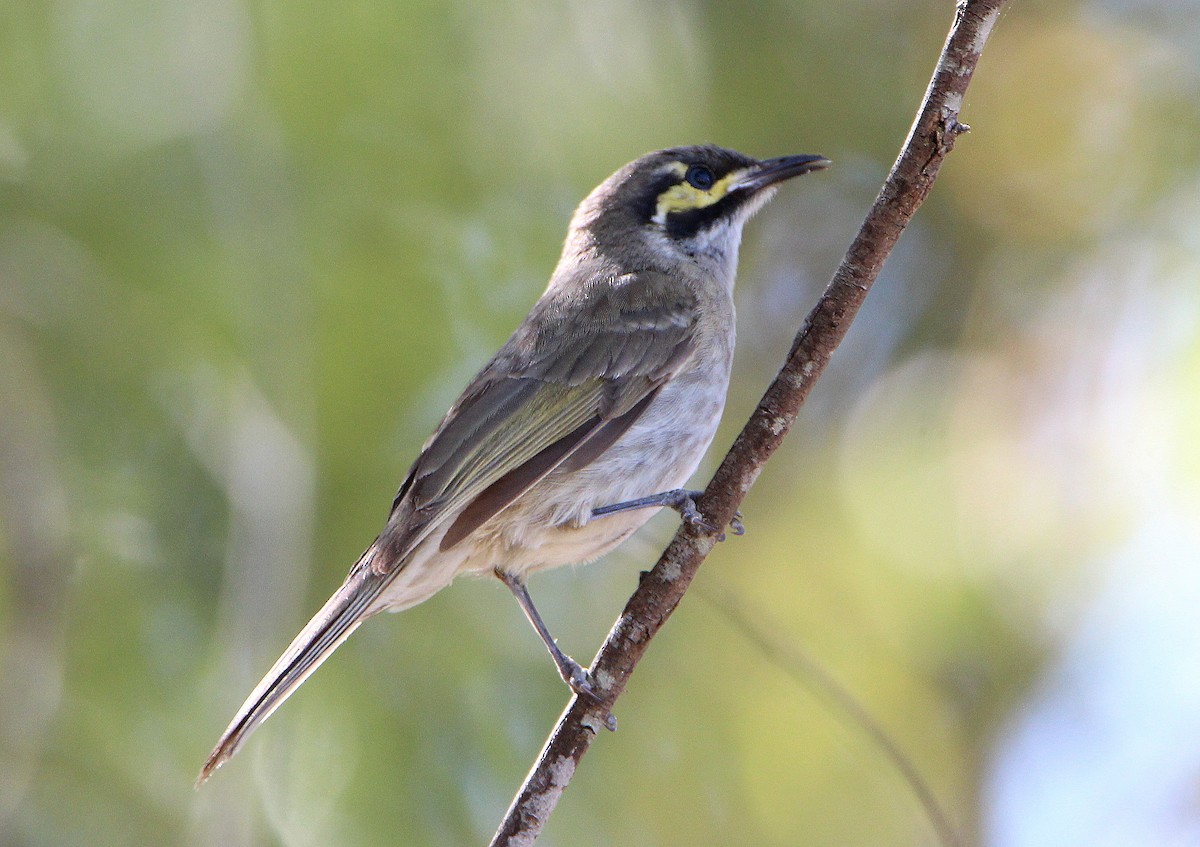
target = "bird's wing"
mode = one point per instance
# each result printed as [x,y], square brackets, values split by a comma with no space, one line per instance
[562,389]
[574,376]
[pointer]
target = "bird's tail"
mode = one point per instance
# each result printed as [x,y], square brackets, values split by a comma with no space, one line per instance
[339,617]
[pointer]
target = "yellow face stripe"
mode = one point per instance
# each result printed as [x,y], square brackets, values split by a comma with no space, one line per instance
[683,196]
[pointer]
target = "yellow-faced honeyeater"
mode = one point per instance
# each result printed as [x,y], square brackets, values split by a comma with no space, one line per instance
[591,416]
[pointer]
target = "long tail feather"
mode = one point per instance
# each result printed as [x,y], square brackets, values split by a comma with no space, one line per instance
[329,627]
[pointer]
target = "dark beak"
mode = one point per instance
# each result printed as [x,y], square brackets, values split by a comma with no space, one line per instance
[772,171]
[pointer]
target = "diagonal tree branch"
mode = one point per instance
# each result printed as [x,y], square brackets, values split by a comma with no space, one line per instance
[930,139]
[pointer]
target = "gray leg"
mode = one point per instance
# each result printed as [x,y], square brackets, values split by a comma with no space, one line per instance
[573,673]
[682,500]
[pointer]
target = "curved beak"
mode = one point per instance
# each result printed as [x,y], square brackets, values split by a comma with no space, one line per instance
[773,171]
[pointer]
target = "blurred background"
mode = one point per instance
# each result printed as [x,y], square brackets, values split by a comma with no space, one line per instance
[250,251]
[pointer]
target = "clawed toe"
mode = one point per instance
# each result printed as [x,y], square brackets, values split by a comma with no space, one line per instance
[580,681]
[583,684]
[687,508]
[692,515]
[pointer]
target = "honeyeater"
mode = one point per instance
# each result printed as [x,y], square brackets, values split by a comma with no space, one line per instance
[592,415]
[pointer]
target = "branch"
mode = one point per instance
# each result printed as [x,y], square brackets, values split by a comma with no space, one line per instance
[930,139]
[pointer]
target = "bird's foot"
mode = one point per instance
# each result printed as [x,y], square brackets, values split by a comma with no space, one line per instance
[685,504]
[581,681]
[682,500]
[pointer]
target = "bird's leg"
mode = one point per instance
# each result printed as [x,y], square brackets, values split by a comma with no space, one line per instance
[574,674]
[682,500]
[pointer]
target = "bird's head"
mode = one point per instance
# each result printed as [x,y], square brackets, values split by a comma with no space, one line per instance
[683,203]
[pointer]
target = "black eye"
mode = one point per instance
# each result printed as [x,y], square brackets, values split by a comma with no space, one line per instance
[698,176]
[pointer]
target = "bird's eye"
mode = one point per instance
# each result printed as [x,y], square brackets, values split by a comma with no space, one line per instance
[698,176]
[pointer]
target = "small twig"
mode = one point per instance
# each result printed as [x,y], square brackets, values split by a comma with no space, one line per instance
[808,673]
[930,139]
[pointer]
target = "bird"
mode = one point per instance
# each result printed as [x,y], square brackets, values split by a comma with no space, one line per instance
[589,419]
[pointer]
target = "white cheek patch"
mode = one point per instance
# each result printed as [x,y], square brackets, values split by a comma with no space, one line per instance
[714,242]
[760,199]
